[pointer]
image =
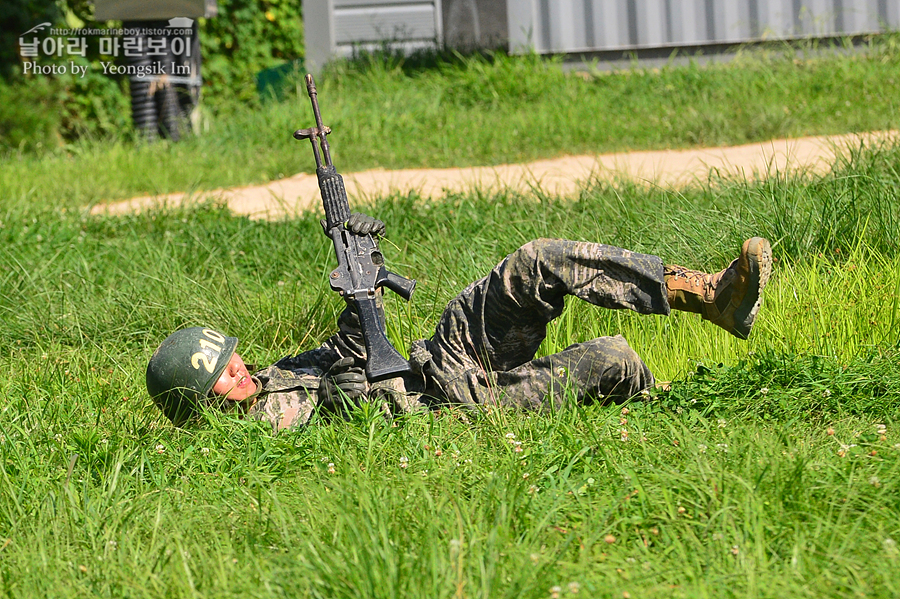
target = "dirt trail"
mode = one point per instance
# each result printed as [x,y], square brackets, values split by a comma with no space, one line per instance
[559,176]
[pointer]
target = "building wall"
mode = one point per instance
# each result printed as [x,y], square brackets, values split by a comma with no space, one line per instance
[552,26]
[475,23]
[336,27]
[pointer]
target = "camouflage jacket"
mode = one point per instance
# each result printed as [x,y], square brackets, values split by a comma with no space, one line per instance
[291,389]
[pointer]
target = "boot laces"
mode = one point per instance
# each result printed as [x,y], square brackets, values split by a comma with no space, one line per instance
[694,278]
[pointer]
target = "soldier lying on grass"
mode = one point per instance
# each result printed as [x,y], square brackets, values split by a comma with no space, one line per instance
[482,351]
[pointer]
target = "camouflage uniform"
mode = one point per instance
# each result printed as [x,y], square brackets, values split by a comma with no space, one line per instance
[291,389]
[482,351]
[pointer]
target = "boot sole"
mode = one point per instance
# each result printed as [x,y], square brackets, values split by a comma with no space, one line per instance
[759,254]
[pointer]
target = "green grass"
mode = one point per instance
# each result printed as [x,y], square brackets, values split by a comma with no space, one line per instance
[762,473]
[397,113]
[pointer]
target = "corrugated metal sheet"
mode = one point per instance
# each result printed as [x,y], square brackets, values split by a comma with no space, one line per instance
[474,23]
[367,24]
[337,27]
[596,25]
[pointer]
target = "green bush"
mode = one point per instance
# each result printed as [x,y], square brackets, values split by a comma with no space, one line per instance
[46,111]
[18,16]
[29,119]
[94,105]
[247,37]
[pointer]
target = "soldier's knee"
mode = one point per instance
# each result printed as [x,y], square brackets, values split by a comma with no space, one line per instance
[536,247]
[529,257]
[627,374]
[526,254]
[522,264]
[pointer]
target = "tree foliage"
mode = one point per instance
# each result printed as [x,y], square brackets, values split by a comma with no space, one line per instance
[247,37]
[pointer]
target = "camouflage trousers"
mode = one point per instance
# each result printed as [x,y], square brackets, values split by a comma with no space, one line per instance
[483,348]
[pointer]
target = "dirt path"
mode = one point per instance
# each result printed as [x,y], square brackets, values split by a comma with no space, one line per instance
[560,176]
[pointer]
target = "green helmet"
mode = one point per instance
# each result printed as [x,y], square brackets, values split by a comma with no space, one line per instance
[185,367]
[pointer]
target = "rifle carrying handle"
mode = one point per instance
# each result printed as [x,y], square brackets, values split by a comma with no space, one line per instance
[383,361]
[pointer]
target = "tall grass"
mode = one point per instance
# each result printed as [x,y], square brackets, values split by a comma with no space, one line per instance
[763,472]
[836,239]
[699,500]
[727,485]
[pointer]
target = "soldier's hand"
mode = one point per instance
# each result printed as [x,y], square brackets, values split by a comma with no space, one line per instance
[344,379]
[361,224]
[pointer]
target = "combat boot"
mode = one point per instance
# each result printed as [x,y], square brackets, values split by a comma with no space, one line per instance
[729,298]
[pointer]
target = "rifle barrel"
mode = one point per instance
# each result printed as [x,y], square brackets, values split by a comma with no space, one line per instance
[320,128]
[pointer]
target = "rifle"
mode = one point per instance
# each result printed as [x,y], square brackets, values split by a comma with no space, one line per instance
[360,271]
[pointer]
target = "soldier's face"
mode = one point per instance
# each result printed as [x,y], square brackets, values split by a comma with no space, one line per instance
[235,383]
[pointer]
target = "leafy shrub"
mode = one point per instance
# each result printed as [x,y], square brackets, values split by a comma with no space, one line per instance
[247,37]
[29,118]
[17,17]
[93,105]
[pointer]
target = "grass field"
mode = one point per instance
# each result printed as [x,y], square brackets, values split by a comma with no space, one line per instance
[769,470]
[477,111]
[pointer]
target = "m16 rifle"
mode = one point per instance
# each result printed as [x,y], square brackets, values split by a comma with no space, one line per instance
[361,271]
